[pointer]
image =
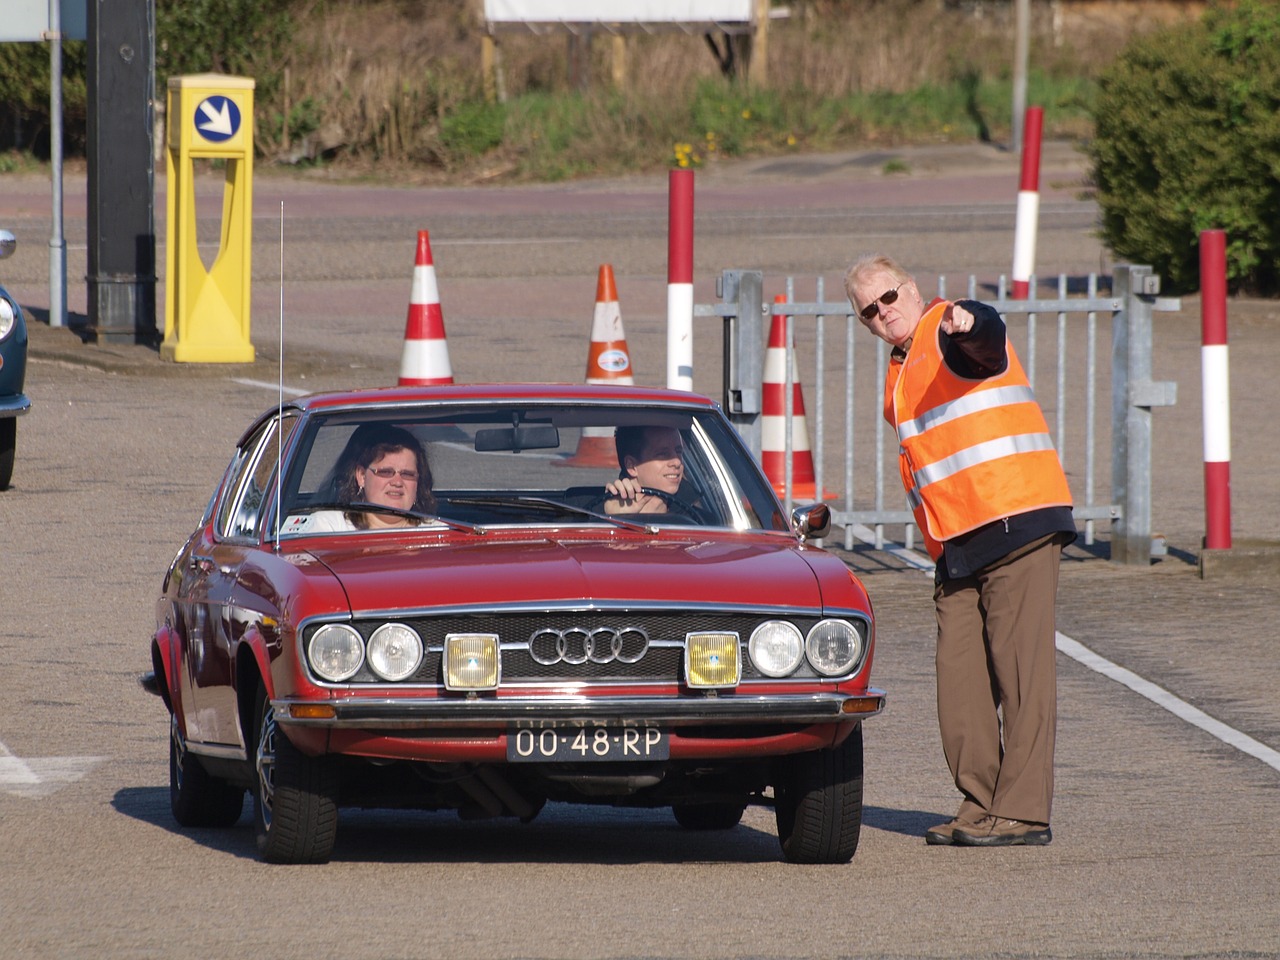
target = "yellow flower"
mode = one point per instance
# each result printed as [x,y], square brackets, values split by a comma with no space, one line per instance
[791,139]
[746,114]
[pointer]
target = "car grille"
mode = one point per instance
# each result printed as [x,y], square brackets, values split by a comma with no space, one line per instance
[661,662]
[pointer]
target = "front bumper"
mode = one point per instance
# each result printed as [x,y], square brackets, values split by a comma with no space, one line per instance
[14,405]
[456,714]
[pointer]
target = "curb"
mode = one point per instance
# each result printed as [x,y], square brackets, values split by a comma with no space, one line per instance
[1242,557]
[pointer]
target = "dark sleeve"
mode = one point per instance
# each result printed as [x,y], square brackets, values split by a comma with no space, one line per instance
[978,353]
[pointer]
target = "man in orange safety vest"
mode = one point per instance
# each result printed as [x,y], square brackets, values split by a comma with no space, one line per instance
[989,495]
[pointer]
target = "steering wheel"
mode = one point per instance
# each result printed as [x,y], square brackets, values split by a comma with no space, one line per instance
[673,502]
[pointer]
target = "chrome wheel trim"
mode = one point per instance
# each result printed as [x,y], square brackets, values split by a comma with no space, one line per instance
[265,762]
[179,752]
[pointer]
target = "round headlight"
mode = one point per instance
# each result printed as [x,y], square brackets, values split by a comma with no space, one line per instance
[336,652]
[7,318]
[776,648]
[394,651]
[833,647]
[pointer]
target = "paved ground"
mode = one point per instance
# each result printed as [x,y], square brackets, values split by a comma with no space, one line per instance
[1163,832]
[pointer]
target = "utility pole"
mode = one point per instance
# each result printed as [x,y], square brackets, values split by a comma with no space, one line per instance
[121,215]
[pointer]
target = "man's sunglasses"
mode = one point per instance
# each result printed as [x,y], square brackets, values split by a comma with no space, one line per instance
[871,309]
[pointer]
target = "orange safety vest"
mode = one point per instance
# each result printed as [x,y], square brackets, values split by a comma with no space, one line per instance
[970,451]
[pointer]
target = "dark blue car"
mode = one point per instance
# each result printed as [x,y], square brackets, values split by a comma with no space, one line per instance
[13,369]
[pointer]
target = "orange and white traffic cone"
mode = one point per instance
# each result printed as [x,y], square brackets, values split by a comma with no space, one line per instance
[773,424]
[425,361]
[608,361]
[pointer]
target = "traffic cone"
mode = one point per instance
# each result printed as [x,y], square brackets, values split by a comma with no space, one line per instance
[773,425]
[607,362]
[425,361]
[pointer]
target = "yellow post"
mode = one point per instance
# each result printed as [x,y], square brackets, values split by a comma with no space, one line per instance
[206,311]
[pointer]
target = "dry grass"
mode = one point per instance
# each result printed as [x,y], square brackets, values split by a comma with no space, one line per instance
[372,80]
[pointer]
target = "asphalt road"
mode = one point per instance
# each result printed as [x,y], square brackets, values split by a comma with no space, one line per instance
[1164,832]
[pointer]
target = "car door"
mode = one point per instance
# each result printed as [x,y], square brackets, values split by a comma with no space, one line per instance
[211,594]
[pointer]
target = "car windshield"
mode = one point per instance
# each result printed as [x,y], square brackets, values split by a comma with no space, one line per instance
[490,465]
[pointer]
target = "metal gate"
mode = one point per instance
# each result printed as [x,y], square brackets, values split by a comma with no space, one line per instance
[846,388]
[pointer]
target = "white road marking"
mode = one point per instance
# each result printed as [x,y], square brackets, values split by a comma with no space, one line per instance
[13,770]
[1113,671]
[273,387]
[40,776]
[1163,698]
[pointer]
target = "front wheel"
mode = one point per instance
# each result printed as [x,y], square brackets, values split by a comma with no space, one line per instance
[8,446]
[295,797]
[819,803]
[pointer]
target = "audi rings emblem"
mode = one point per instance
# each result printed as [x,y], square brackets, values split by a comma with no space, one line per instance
[578,645]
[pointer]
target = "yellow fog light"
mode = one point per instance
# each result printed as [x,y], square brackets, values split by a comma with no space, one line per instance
[711,660]
[471,661]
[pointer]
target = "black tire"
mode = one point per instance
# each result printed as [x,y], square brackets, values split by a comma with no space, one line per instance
[819,803]
[295,797]
[197,798]
[708,816]
[8,445]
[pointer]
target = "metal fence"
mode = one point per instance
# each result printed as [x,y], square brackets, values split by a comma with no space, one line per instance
[845,385]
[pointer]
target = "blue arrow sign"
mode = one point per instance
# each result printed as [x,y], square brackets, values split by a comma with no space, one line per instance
[217,118]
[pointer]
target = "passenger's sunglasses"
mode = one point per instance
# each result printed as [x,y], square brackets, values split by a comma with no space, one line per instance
[386,473]
[871,309]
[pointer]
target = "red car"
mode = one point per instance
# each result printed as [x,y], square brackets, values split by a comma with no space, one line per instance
[484,598]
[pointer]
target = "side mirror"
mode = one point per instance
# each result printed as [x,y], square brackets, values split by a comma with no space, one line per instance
[813,521]
[8,243]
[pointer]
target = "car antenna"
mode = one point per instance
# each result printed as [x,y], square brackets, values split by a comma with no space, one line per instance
[280,380]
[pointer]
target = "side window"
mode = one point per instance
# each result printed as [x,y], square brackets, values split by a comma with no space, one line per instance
[249,488]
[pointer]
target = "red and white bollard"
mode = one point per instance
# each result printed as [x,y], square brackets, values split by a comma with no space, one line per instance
[1216,381]
[1026,225]
[680,280]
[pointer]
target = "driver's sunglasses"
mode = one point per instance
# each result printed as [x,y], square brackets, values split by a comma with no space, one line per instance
[387,473]
[871,309]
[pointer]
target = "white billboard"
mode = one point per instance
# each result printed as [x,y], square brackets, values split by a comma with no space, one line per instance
[618,11]
[28,20]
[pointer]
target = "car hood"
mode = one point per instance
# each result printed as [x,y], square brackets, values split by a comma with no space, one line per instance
[751,571]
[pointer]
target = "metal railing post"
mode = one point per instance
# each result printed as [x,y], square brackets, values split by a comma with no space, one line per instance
[1133,394]
[744,353]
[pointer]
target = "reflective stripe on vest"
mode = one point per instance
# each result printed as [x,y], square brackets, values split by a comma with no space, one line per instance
[963,406]
[975,455]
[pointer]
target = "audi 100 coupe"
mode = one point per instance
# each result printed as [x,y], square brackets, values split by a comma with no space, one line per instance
[482,599]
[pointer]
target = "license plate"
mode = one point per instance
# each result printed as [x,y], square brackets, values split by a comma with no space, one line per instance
[586,744]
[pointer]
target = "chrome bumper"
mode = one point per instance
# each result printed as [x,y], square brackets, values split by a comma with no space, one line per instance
[406,714]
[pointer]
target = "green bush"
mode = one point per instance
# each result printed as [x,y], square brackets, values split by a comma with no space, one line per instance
[1187,138]
[24,95]
[473,128]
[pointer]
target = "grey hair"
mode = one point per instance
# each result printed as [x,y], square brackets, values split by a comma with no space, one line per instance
[868,264]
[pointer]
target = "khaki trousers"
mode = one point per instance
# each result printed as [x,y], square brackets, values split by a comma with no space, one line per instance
[996,668]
